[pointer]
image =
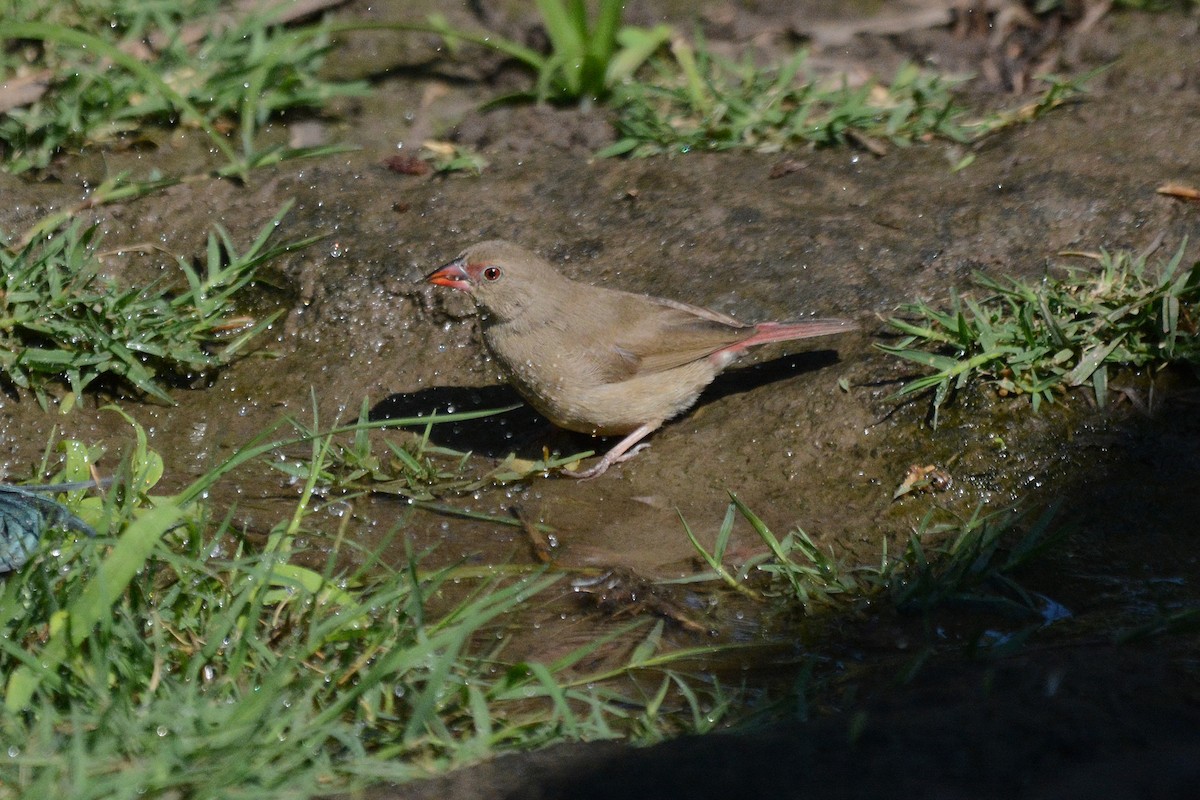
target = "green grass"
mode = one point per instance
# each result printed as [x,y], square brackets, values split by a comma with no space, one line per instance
[695,100]
[964,560]
[173,656]
[413,468]
[118,68]
[699,101]
[169,657]
[590,54]
[972,561]
[446,157]
[1046,338]
[969,560]
[62,322]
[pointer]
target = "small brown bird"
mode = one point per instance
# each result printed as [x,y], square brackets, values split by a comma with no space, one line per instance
[598,360]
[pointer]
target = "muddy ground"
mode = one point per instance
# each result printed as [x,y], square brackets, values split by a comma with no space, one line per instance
[909,704]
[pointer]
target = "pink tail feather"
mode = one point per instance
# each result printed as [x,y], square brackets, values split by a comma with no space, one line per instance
[766,332]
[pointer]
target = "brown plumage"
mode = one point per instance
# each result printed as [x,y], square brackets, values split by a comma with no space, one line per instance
[598,360]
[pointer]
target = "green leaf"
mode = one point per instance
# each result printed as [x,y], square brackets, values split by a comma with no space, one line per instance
[1092,358]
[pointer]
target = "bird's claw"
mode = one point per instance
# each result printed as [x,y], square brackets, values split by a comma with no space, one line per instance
[600,467]
[633,451]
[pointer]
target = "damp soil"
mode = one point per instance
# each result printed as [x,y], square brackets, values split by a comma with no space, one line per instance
[807,437]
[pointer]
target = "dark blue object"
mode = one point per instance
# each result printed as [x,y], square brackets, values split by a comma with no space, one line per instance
[26,512]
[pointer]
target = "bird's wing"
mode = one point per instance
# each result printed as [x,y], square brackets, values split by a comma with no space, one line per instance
[669,334]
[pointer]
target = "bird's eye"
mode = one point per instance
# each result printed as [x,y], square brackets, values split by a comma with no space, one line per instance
[491,273]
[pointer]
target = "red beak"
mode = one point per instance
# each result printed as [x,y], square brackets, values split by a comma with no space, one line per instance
[453,275]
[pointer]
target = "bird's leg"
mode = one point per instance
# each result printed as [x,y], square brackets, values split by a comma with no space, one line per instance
[621,451]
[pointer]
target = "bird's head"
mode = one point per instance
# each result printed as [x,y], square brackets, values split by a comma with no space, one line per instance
[502,277]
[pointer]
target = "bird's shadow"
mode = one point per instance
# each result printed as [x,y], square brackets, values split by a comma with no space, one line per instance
[525,432]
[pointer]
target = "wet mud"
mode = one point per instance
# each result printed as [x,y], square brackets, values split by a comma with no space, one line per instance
[806,436]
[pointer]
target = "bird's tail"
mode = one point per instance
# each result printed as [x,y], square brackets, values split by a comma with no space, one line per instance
[766,332]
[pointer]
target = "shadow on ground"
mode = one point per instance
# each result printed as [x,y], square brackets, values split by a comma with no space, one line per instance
[523,431]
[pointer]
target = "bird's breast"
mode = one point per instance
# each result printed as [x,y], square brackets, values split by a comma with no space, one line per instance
[567,385]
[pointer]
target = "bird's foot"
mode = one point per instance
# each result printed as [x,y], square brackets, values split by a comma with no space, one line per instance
[624,450]
[601,466]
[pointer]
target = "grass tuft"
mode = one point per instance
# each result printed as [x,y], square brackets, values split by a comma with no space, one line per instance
[61,321]
[169,657]
[414,468]
[1044,339]
[113,68]
[700,101]
[968,561]
[589,54]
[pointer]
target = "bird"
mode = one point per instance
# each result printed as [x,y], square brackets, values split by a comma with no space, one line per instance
[602,361]
[25,513]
